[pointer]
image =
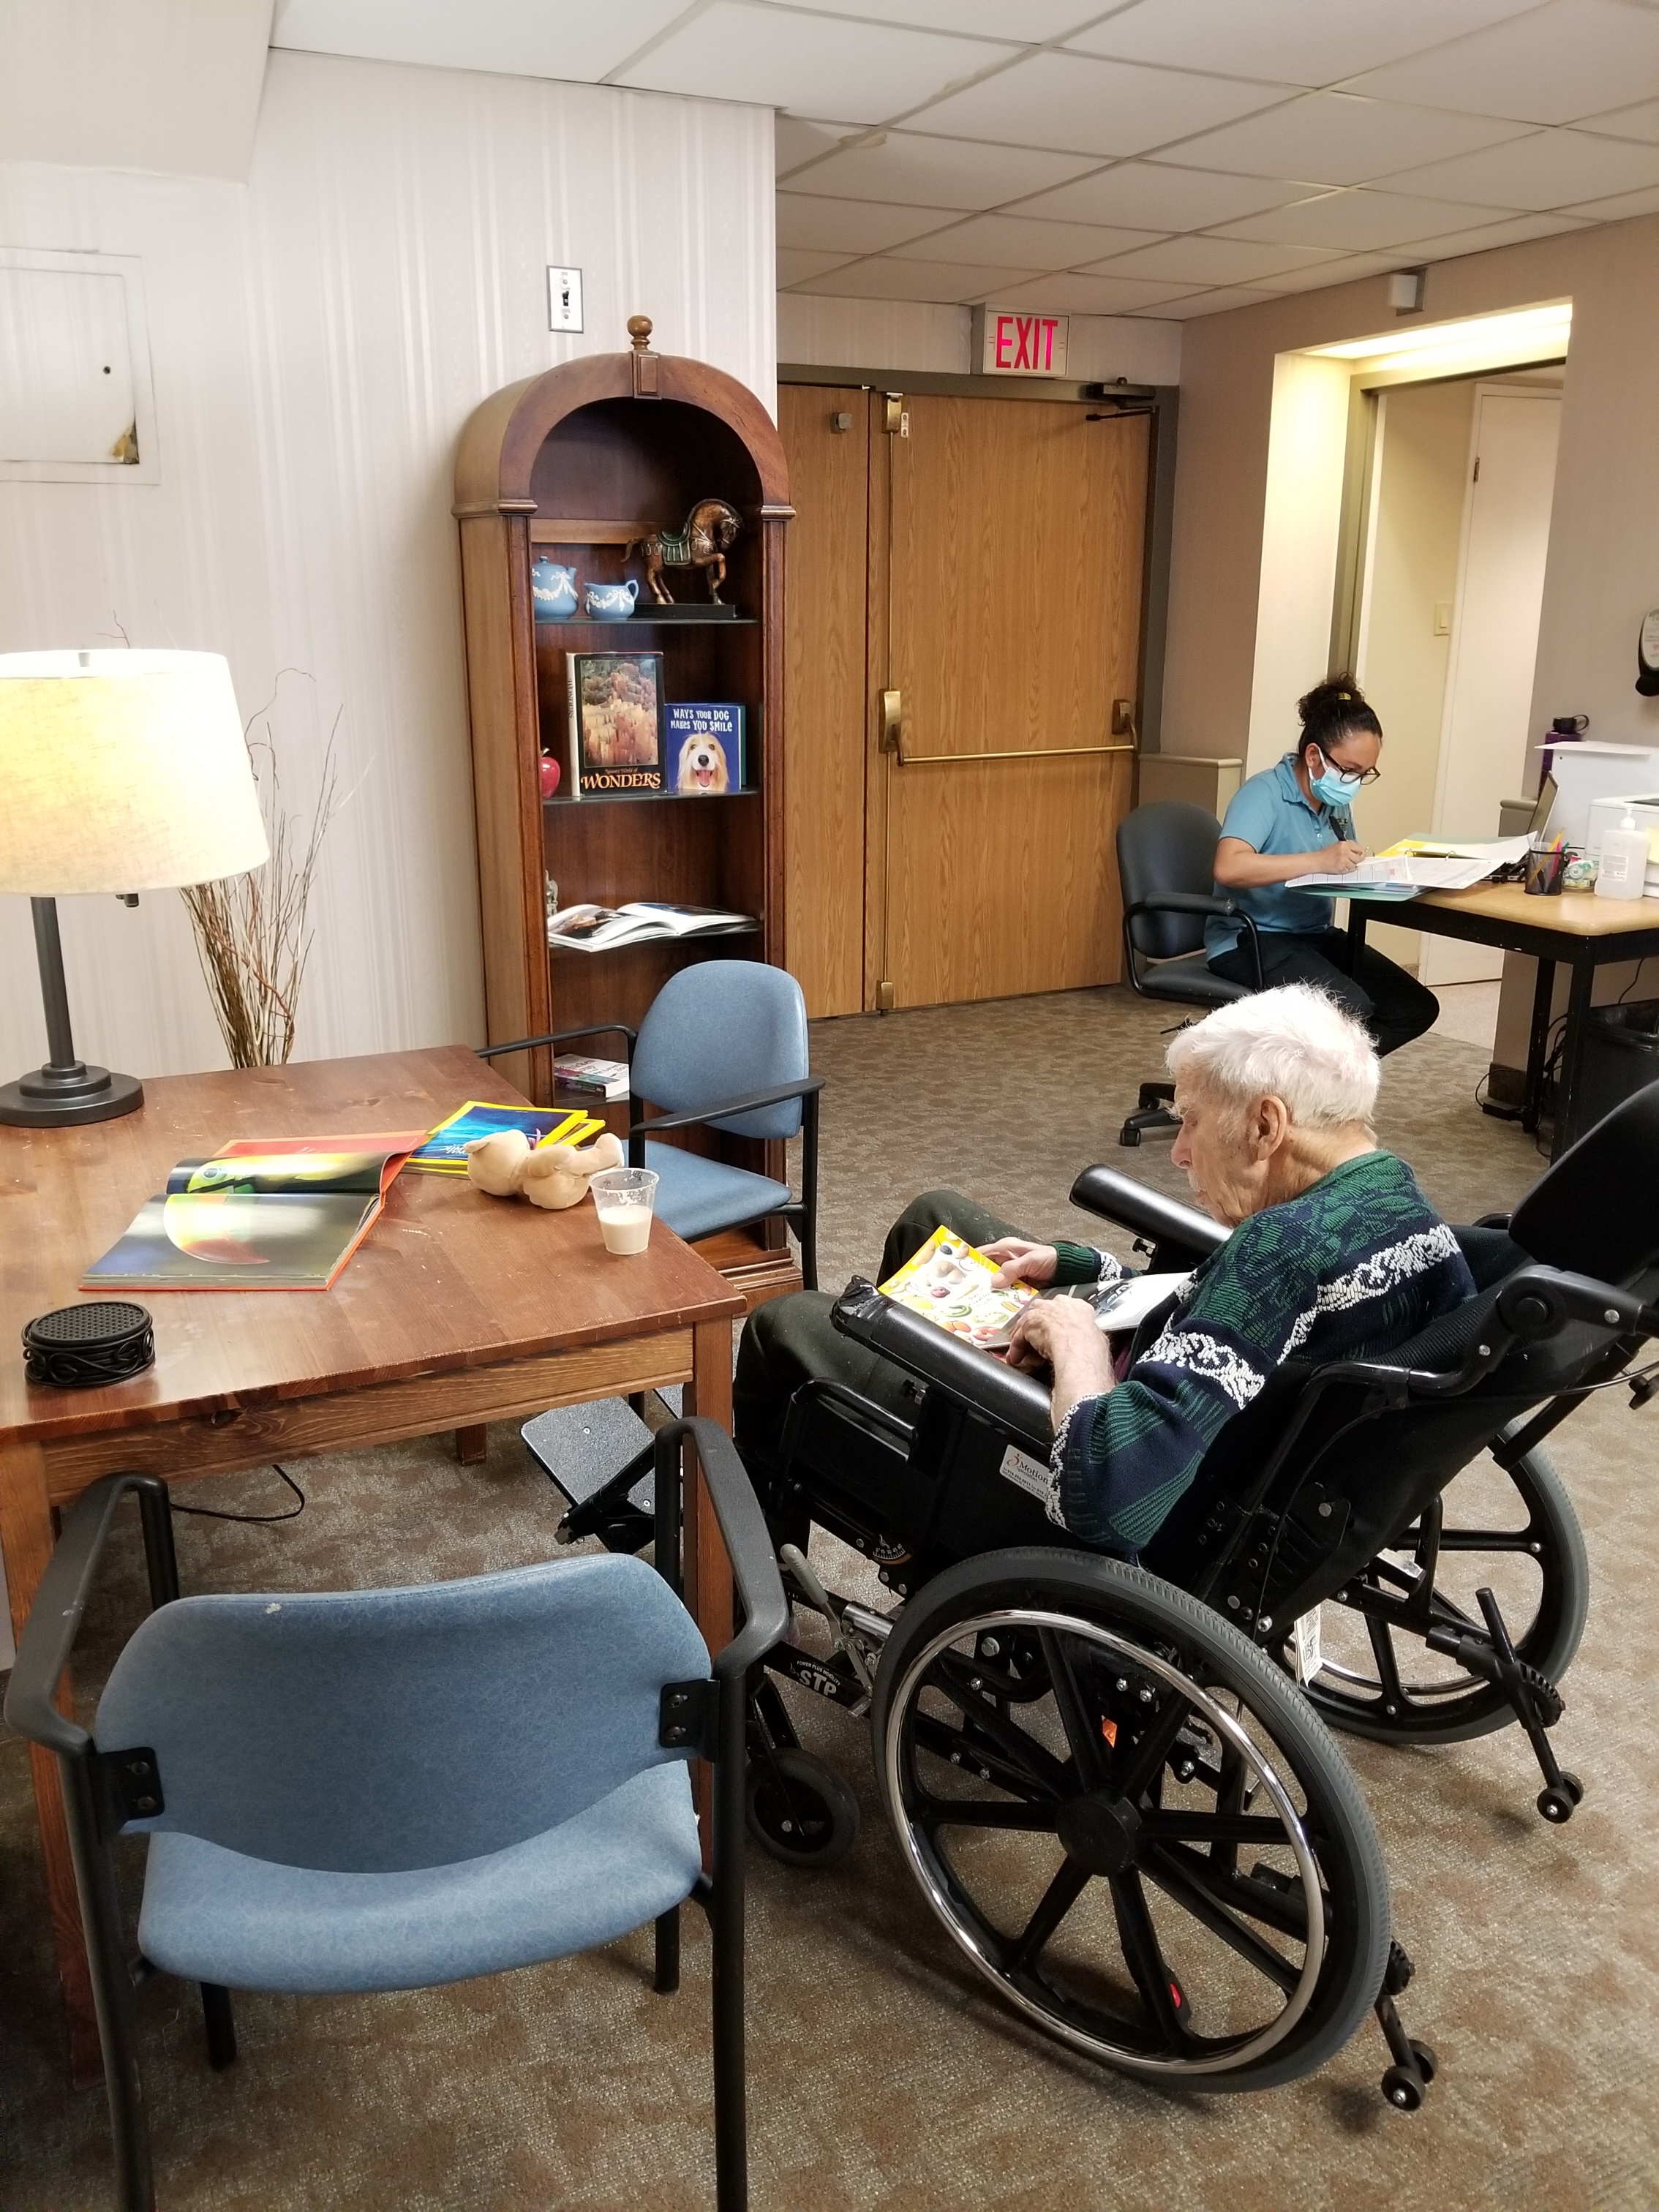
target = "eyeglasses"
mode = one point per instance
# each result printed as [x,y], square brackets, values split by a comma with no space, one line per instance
[1366,775]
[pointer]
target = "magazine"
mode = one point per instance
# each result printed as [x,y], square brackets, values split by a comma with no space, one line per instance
[282,1214]
[444,1151]
[615,706]
[954,1285]
[605,1079]
[704,750]
[599,928]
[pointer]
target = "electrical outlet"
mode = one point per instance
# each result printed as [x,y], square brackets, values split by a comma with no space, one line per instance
[564,299]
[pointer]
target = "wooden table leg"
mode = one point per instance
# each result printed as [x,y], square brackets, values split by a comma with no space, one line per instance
[26,1535]
[472,1444]
[707,1571]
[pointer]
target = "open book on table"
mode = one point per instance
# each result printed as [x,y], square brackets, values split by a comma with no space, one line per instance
[279,1213]
[598,928]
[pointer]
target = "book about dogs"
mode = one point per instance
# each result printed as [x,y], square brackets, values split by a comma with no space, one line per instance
[704,749]
[615,704]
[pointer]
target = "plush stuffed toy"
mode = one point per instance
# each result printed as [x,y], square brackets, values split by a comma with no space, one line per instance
[551,1175]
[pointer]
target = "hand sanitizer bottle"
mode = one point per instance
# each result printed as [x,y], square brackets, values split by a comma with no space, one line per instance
[1624,861]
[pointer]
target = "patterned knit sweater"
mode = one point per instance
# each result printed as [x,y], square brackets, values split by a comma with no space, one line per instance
[1352,1268]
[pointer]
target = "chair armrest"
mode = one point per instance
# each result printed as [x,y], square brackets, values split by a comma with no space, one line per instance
[54,1622]
[1181,902]
[722,1109]
[561,1037]
[1007,1398]
[1101,1190]
[743,1531]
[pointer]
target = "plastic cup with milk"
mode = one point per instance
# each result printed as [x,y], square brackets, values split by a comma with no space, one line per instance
[623,1198]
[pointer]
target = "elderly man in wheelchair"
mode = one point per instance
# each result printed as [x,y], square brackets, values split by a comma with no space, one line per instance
[1131,1589]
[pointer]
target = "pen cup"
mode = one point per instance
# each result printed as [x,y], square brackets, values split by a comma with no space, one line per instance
[623,1198]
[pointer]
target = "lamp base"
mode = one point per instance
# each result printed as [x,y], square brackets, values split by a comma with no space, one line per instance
[64,1097]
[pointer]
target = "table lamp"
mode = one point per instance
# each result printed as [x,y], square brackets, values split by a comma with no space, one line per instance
[123,772]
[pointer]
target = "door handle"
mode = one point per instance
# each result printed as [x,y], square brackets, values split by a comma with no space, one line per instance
[892,714]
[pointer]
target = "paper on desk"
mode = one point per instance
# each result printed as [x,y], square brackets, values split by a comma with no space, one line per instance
[1500,851]
[1419,871]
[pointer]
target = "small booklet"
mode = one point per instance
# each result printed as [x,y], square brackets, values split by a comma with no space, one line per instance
[705,748]
[444,1151]
[599,928]
[954,1285]
[280,1214]
[614,700]
[604,1079]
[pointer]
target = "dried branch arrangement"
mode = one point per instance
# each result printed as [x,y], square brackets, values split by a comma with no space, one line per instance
[252,936]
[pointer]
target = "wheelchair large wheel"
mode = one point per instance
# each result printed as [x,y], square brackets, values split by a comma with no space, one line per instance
[1129,1821]
[1515,1534]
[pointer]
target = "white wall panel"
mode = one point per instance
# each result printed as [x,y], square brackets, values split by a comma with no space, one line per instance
[319,336]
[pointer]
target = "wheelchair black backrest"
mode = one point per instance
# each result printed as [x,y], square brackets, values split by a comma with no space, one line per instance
[1596,1211]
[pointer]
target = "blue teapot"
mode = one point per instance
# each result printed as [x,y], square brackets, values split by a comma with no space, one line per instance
[552,592]
[610,602]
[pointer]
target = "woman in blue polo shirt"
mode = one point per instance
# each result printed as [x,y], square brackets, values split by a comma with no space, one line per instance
[1295,820]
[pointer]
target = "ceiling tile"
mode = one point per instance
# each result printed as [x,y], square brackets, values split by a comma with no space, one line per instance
[1641,123]
[1550,168]
[795,264]
[1319,277]
[1332,139]
[798,140]
[1214,260]
[579,44]
[1555,63]
[1087,295]
[880,278]
[1359,220]
[1515,231]
[853,227]
[1619,208]
[1295,41]
[1215,301]
[1150,197]
[1011,240]
[1028,20]
[902,167]
[1092,106]
[812,63]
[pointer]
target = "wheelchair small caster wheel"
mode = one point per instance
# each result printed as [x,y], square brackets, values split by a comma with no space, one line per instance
[1557,1806]
[1404,2087]
[1427,2064]
[801,1811]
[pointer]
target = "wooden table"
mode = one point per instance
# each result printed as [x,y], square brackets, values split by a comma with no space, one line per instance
[457,1310]
[1577,929]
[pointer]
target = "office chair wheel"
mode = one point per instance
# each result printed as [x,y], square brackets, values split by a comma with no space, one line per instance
[1143,1837]
[1516,1532]
[1128,1135]
[801,1811]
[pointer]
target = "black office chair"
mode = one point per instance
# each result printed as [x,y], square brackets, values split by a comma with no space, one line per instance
[1166,867]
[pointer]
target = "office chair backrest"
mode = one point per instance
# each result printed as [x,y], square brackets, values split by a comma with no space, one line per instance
[721,1030]
[1167,847]
[1596,1210]
[369,1731]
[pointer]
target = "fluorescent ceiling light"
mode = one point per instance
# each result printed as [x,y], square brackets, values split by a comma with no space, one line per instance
[1546,328]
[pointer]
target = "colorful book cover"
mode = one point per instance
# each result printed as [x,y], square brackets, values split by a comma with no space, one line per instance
[444,1151]
[705,748]
[952,1283]
[282,1214]
[614,704]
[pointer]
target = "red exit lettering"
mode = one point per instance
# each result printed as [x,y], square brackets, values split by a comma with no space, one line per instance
[1026,341]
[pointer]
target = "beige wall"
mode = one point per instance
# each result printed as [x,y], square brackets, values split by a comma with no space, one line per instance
[1603,571]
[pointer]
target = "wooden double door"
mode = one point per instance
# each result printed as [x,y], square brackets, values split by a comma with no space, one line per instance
[962,639]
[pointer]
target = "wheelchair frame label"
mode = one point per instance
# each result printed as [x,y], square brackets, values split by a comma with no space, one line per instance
[1029,1474]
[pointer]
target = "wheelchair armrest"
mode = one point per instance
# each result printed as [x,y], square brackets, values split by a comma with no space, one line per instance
[743,1531]
[1007,1398]
[1119,1197]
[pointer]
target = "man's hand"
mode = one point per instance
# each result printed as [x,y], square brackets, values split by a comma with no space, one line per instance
[1020,1261]
[1063,1334]
[1340,859]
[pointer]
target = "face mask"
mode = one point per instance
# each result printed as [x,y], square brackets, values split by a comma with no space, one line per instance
[1333,787]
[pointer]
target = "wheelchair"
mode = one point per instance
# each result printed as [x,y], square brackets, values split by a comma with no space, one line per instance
[1113,1781]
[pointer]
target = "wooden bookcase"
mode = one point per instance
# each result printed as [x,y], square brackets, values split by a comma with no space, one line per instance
[574,463]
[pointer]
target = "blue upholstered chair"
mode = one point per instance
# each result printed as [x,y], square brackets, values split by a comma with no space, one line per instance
[723,1047]
[389,1788]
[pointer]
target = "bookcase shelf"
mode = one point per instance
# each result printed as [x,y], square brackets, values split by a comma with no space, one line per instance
[582,460]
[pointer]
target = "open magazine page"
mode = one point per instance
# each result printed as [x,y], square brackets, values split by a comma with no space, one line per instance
[955,1287]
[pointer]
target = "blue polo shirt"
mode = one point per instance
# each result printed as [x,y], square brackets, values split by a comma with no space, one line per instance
[1270,814]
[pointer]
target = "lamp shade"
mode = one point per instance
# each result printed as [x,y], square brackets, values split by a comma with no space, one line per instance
[123,771]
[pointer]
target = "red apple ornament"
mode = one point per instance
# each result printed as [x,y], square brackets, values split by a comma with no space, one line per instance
[549,775]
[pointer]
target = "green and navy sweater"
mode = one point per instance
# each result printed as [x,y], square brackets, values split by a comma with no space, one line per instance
[1352,1268]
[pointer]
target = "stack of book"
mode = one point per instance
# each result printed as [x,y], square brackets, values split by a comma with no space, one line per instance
[600,1078]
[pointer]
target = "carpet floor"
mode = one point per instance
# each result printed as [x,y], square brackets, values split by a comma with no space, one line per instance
[883,2077]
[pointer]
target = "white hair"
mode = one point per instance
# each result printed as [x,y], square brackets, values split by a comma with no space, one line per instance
[1294,1043]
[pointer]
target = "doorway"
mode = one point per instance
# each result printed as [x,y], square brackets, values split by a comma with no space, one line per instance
[964,639]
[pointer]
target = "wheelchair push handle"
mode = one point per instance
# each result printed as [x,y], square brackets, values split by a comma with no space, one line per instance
[1539,1301]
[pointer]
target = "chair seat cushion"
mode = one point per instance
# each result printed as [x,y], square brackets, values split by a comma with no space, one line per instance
[212,1915]
[1190,978]
[696,1196]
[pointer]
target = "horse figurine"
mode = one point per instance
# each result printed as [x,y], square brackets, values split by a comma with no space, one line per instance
[703,543]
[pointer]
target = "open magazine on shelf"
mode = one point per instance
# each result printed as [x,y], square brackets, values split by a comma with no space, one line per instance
[589,928]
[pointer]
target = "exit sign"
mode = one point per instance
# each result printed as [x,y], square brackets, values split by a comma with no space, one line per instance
[1013,342]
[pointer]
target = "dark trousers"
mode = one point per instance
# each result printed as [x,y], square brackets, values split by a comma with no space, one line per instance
[793,1340]
[1393,1005]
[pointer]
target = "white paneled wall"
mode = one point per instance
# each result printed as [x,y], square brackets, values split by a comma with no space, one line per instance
[895,335]
[318,338]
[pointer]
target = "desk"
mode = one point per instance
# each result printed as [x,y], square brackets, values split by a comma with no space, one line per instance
[1584,932]
[457,1310]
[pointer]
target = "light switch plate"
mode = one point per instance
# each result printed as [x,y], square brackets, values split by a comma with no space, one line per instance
[564,299]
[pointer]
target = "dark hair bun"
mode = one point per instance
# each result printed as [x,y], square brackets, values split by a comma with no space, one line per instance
[1331,708]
